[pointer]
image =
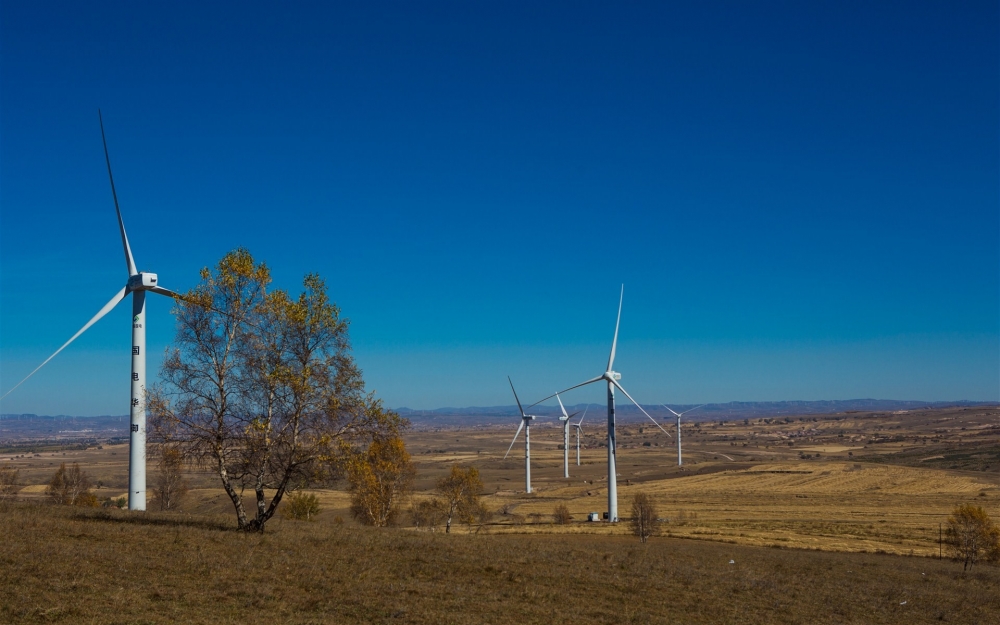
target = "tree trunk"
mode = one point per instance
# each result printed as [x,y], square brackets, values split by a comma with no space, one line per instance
[241,514]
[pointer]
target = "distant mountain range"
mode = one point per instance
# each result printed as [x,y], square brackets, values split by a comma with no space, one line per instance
[23,426]
[708,412]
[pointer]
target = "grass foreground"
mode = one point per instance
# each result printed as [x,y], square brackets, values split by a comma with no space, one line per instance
[70,565]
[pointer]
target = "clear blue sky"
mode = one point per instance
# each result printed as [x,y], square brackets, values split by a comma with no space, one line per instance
[800,198]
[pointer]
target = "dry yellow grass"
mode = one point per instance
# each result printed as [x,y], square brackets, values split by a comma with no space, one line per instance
[828,506]
[65,565]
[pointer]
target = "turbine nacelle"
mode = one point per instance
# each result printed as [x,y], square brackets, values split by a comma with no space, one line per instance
[612,376]
[142,281]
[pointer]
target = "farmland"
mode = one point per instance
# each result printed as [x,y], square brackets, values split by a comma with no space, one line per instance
[830,518]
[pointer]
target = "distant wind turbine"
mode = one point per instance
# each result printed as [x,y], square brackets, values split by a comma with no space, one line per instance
[565,421]
[138,283]
[611,377]
[526,425]
[679,415]
[579,428]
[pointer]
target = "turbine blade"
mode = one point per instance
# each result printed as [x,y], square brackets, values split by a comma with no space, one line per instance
[690,409]
[167,292]
[516,434]
[107,308]
[516,399]
[676,414]
[640,407]
[580,422]
[129,261]
[561,407]
[590,381]
[614,343]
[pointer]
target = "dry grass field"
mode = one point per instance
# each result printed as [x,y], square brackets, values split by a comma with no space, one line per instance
[65,565]
[820,515]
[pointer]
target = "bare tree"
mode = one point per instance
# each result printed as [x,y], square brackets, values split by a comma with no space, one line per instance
[643,522]
[69,486]
[561,515]
[972,535]
[380,477]
[460,492]
[169,485]
[261,387]
[8,483]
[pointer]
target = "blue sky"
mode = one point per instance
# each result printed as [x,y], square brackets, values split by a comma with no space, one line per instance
[801,199]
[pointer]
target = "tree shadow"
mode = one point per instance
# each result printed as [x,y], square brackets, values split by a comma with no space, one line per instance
[152,518]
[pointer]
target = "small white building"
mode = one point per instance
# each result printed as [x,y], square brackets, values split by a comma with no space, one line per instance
[594,516]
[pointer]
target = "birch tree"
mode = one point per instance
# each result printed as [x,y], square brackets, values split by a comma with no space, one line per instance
[70,486]
[972,535]
[169,486]
[380,478]
[643,522]
[460,492]
[262,388]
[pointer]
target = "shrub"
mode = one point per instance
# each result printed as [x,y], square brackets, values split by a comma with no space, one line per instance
[428,513]
[561,515]
[301,507]
[87,499]
[8,483]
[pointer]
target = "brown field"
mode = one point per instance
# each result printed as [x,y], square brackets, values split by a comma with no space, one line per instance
[831,497]
[65,565]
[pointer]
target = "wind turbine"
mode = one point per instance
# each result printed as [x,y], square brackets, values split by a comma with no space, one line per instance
[565,421]
[579,428]
[679,415]
[526,424]
[138,284]
[611,377]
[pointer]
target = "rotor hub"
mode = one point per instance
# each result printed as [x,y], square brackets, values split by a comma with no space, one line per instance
[142,281]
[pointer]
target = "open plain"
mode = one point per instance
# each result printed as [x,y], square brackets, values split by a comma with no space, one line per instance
[829,518]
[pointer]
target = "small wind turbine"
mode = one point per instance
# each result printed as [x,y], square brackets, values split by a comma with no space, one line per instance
[611,377]
[526,424]
[565,421]
[138,283]
[579,427]
[679,415]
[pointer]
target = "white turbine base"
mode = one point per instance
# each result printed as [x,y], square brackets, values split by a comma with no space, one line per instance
[137,407]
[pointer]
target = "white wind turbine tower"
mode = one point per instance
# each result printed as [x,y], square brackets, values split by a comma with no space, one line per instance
[611,377]
[579,428]
[138,283]
[565,421]
[526,424]
[679,415]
